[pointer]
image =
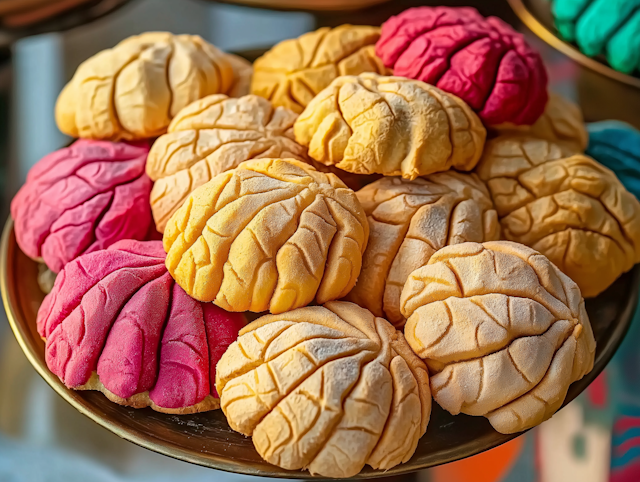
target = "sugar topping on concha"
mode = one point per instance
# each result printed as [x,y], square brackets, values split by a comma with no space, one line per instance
[570,208]
[116,322]
[211,136]
[503,331]
[411,220]
[482,60]
[326,388]
[393,126]
[83,198]
[272,234]
[293,72]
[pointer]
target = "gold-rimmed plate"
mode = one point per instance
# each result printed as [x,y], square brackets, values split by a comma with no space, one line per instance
[206,439]
[536,15]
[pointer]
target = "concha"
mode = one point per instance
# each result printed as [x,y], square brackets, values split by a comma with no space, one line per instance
[371,124]
[503,331]
[326,388]
[272,234]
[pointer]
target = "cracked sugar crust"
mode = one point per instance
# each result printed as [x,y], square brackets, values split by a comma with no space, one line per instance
[369,124]
[327,388]
[408,222]
[116,322]
[296,70]
[133,90]
[570,208]
[503,331]
[561,123]
[270,235]
[81,199]
[482,60]
[211,136]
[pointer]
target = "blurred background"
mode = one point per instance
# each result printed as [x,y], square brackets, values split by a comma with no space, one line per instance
[41,44]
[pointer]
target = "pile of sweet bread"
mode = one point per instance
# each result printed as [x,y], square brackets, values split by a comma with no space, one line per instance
[408,203]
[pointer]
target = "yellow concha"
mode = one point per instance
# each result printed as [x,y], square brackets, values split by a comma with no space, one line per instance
[211,136]
[133,90]
[271,234]
[326,388]
[296,70]
[568,207]
[371,124]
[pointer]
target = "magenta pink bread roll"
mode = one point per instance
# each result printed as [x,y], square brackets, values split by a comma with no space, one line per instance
[117,322]
[81,199]
[481,60]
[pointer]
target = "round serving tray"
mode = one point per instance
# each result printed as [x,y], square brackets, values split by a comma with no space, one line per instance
[206,439]
[536,15]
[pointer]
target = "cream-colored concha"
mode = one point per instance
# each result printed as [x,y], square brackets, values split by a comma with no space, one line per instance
[271,234]
[393,126]
[211,136]
[561,123]
[570,208]
[296,70]
[242,74]
[326,388]
[411,220]
[503,331]
[133,90]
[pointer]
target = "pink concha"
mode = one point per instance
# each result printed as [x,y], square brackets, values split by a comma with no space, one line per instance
[81,199]
[481,60]
[117,322]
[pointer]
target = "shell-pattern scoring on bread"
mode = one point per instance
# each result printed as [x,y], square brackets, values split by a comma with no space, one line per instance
[561,122]
[270,235]
[83,198]
[484,61]
[213,135]
[116,322]
[328,389]
[408,222]
[133,90]
[390,125]
[571,209]
[296,70]
[503,331]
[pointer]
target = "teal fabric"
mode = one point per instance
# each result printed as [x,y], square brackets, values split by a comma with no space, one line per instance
[617,146]
[608,27]
[566,13]
[623,50]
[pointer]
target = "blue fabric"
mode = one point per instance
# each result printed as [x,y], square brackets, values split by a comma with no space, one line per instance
[617,146]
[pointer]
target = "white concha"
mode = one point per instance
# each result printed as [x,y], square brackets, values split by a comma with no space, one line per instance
[503,331]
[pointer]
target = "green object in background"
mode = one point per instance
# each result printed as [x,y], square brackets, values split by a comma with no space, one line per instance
[566,13]
[608,27]
[623,50]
